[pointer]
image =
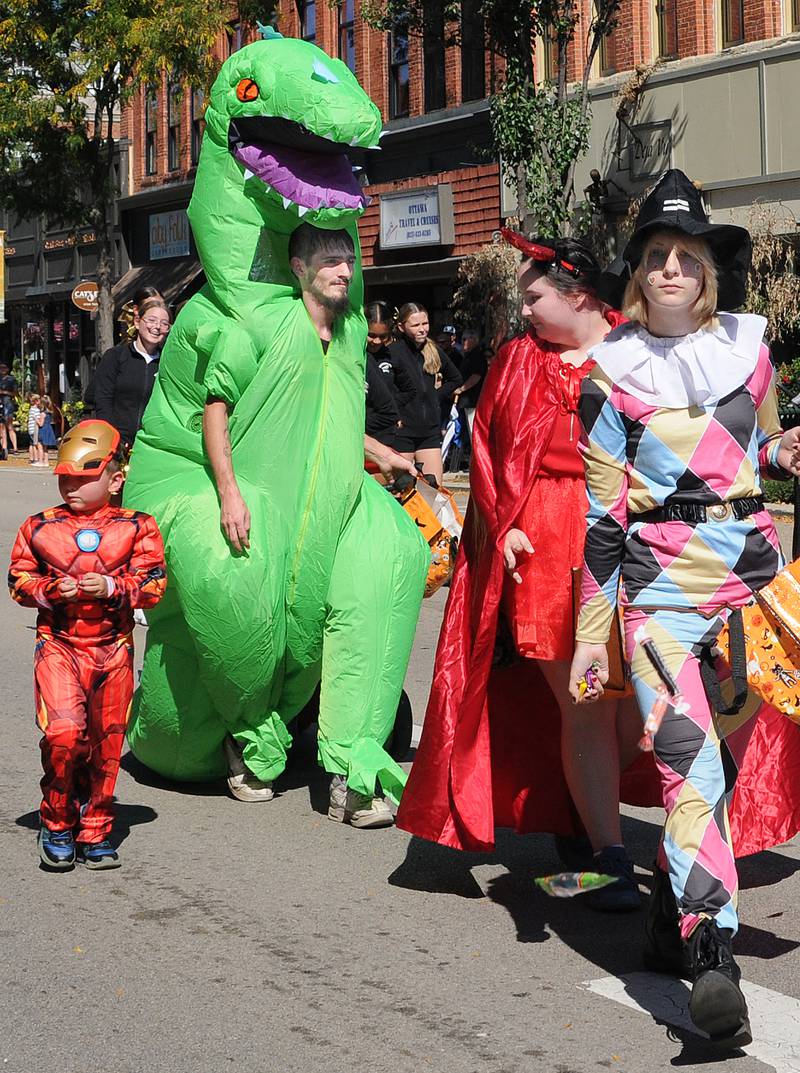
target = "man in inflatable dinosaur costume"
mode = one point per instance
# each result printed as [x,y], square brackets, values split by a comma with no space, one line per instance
[329,589]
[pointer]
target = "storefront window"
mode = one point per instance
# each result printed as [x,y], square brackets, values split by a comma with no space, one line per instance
[150,131]
[398,73]
[796,14]
[198,123]
[667,16]
[347,33]
[732,22]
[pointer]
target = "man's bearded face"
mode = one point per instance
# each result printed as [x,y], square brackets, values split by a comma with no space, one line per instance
[327,278]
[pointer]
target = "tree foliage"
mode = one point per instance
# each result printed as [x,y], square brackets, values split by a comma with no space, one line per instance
[487,297]
[66,69]
[540,128]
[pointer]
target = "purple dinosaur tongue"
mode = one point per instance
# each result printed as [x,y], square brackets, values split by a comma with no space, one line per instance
[309,180]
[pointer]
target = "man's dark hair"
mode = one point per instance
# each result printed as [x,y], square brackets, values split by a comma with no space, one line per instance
[306,240]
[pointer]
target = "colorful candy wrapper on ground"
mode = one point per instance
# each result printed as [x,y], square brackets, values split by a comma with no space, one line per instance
[568,884]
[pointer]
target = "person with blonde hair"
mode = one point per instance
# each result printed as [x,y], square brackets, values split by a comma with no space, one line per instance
[47,434]
[435,378]
[124,379]
[35,422]
[681,423]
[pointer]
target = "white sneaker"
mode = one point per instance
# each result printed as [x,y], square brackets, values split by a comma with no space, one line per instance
[242,783]
[359,810]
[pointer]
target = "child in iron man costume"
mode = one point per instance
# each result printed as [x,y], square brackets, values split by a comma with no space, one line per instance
[85,565]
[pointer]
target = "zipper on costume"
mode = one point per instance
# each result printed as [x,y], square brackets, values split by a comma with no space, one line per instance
[312,484]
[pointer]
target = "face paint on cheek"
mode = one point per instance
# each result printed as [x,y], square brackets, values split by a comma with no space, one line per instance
[651,279]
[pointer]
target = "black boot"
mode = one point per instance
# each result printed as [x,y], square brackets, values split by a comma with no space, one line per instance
[664,950]
[717,1005]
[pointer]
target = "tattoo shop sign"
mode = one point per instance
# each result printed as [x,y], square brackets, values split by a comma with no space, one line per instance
[417,218]
[169,235]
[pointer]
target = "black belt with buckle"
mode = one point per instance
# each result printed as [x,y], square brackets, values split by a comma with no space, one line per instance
[701,512]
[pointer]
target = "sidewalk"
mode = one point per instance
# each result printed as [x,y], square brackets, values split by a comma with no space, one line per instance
[20,461]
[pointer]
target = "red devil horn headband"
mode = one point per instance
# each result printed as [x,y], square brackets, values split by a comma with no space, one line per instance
[541,254]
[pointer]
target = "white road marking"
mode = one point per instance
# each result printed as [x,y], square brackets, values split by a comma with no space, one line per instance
[416,734]
[774,1018]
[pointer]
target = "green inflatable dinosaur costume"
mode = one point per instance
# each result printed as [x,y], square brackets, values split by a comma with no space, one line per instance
[330,589]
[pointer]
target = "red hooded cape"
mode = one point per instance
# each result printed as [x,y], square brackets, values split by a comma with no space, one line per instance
[490,750]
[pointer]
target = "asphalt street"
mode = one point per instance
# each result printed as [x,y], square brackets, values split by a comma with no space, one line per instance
[266,938]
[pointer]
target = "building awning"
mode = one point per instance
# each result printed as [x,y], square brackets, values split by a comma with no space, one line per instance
[175,279]
[416,272]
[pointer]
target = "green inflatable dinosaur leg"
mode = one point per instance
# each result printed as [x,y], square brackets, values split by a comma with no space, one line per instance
[175,728]
[375,591]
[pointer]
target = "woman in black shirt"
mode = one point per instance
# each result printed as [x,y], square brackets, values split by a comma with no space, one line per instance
[126,374]
[434,377]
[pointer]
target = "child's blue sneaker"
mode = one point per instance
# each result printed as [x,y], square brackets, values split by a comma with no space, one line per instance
[98,855]
[56,848]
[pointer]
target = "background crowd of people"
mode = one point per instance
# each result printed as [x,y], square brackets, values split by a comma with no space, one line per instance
[416,385]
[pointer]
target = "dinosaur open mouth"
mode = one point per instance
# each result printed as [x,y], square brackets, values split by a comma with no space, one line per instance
[305,169]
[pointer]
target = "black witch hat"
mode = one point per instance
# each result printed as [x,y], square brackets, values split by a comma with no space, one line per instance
[675,204]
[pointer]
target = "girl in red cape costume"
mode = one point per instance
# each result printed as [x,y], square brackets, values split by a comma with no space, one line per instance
[490,750]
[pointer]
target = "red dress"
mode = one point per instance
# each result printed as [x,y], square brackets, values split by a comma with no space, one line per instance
[539,611]
[490,750]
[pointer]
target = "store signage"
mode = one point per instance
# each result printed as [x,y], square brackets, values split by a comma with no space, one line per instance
[169,235]
[650,149]
[84,296]
[70,240]
[417,218]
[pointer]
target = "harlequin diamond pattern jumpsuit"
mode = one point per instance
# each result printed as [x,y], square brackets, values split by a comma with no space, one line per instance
[680,581]
[83,662]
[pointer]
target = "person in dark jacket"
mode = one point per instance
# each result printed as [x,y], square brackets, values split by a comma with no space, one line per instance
[382,418]
[380,326]
[126,374]
[435,379]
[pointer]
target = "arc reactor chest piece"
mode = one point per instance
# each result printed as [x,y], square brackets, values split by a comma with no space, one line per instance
[87,539]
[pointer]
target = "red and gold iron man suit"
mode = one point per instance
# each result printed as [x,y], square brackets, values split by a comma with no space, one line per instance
[83,662]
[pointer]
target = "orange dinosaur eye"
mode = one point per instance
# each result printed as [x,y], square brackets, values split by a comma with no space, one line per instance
[247,90]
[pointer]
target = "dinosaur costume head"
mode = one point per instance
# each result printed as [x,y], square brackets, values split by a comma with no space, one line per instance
[281,117]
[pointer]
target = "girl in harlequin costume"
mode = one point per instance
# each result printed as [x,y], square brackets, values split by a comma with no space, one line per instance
[680,414]
[85,565]
[505,746]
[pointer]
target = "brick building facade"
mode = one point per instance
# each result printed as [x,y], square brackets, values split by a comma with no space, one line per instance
[434,100]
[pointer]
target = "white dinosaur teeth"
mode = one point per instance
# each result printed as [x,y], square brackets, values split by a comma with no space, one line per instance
[302,210]
[287,201]
[373,147]
[247,174]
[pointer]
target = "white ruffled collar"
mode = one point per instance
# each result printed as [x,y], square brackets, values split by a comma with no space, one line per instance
[691,370]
